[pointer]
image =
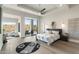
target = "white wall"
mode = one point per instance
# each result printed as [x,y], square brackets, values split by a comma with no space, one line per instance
[60,16]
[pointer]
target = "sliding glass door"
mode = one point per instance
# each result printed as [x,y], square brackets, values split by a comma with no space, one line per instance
[27,26]
[31,26]
[35,26]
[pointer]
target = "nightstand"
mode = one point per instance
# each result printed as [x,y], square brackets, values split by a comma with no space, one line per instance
[65,37]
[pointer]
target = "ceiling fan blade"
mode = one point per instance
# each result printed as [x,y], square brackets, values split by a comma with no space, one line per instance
[43,9]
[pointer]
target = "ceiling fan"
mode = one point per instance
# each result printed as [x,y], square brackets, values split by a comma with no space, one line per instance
[43,11]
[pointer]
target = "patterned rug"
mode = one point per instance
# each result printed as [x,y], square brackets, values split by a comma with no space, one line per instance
[27,47]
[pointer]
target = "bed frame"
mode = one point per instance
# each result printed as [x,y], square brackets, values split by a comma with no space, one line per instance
[60,33]
[62,37]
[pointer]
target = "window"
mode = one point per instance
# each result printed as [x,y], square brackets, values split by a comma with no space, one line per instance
[9,27]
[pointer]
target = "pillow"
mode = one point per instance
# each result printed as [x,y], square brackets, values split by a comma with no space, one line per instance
[48,32]
[55,32]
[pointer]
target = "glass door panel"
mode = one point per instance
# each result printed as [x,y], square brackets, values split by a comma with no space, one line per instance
[35,27]
[31,26]
[27,26]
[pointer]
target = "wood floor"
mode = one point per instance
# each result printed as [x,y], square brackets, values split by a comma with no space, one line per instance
[59,47]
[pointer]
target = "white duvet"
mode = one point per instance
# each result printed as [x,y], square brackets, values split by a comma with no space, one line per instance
[49,38]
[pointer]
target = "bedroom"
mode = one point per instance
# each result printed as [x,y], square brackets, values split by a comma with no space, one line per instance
[54,18]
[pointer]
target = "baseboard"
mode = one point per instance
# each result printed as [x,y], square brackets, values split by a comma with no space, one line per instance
[74,40]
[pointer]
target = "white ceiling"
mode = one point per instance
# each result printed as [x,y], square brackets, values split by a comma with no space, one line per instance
[39,7]
[32,9]
[48,7]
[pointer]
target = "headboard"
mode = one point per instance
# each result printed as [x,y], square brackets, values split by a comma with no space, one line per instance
[60,31]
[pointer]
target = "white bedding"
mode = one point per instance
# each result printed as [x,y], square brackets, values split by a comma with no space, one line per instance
[49,38]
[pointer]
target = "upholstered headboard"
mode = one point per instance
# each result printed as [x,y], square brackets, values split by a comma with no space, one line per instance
[60,31]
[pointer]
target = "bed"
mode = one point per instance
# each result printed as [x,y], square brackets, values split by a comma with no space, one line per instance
[50,37]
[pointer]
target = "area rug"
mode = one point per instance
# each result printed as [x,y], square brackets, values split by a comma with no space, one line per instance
[27,47]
